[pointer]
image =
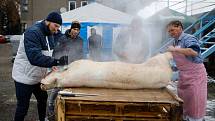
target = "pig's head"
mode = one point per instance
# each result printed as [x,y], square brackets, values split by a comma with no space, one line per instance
[50,81]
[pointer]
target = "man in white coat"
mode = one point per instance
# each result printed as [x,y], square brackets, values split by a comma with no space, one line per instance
[31,63]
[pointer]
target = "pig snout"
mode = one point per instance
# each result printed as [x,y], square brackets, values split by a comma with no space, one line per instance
[48,83]
[47,86]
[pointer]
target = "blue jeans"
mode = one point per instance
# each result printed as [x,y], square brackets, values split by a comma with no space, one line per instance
[23,95]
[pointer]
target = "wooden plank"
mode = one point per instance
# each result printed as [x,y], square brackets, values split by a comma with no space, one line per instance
[83,118]
[60,109]
[118,95]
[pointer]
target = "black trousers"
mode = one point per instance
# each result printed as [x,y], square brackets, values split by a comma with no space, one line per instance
[23,95]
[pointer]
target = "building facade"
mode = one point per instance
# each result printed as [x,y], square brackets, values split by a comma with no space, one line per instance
[36,10]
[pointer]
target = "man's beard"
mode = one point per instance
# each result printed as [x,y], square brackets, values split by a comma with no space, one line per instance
[51,31]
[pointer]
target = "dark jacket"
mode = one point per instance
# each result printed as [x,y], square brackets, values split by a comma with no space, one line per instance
[65,45]
[35,43]
[95,41]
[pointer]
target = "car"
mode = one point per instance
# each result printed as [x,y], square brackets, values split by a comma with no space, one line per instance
[3,39]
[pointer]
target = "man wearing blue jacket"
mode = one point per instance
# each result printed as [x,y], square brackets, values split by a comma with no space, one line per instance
[33,58]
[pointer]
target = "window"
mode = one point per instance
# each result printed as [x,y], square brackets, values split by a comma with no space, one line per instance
[72,5]
[83,3]
[25,2]
[25,8]
[24,26]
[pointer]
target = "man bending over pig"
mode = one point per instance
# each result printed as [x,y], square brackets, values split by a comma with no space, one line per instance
[31,63]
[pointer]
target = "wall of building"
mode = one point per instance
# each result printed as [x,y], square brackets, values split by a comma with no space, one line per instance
[35,10]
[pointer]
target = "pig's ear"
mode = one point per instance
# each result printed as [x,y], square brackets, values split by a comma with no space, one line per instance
[55,68]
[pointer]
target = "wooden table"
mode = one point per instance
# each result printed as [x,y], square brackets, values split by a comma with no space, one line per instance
[119,105]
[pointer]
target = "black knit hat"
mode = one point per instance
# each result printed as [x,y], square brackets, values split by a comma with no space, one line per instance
[54,17]
[75,24]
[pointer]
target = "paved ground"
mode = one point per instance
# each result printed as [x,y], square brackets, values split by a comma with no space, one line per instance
[8,99]
[7,91]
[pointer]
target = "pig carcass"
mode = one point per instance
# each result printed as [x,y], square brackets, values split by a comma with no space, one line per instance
[154,73]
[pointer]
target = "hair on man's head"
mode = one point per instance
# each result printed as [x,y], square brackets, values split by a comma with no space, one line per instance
[175,23]
[75,24]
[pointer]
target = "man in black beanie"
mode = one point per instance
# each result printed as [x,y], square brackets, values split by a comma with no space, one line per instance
[70,44]
[33,58]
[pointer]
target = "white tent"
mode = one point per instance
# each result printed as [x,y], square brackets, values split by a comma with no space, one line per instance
[97,13]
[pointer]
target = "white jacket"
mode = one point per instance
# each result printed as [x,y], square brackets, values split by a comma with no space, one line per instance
[23,71]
